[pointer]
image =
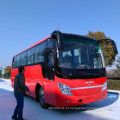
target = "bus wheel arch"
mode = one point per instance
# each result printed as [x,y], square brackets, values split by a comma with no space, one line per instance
[39,92]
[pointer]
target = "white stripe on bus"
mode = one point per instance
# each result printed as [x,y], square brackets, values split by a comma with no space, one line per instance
[86,87]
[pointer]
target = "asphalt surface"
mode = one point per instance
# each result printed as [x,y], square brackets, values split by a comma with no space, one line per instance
[108,109]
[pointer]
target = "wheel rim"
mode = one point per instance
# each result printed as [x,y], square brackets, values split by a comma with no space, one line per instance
[41,97]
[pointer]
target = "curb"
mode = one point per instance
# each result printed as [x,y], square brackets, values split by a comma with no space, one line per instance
[113,92]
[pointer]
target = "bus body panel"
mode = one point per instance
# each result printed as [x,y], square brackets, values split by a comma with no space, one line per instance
[14,72]
[33,76]
[50,92]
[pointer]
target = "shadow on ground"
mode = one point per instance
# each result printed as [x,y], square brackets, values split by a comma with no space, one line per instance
[1,81]
[5,91]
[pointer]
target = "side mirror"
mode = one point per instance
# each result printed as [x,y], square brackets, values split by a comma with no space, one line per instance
[114,47]
[106,41]
[58,36]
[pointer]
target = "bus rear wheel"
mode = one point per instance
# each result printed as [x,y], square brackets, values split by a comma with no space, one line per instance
[41,98]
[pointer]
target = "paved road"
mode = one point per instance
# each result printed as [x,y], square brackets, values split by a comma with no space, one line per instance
[108,109]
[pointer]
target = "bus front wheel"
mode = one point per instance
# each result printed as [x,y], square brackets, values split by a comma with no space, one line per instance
[41,98]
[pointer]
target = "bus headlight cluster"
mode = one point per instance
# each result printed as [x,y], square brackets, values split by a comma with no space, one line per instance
[104,86]
[64,89]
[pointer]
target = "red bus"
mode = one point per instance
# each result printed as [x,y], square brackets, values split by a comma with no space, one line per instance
[64,70]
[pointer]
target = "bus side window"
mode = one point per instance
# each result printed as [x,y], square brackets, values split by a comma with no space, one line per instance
[18,60]
[30,56]
[51,59]
[39,53]
[22,60]
[13,62]
[50,43]
[25,58]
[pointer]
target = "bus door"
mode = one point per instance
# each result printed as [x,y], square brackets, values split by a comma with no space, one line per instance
[50,66]
[49,85]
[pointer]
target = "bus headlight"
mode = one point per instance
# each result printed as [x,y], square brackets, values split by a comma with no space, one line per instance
[64,89]
[104,86]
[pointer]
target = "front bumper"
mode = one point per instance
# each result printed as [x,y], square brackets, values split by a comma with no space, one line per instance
[66,100]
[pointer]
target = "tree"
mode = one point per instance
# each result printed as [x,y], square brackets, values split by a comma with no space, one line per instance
[8,71]
[117,64]
[107,50]
[0,71]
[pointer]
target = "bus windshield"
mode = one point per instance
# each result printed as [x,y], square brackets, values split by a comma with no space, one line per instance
[79,54]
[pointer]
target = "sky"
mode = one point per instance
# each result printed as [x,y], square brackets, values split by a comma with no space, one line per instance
[25,22]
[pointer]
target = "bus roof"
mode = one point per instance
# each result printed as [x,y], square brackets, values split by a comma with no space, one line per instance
[78,36]
[34,44]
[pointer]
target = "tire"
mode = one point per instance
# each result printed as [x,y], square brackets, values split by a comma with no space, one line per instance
[41,98]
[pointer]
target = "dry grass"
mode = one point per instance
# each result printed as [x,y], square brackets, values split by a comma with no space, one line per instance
[113,84]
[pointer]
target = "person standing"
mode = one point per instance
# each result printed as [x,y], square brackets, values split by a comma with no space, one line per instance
[19,91]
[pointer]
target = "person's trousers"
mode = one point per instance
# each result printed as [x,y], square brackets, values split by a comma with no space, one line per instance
[19,107]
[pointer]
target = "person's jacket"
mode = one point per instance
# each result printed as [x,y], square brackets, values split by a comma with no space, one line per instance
[19,84]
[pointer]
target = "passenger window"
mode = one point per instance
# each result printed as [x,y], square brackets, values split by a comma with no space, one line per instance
[13,62]
[50,43]
[40,52]
[24,58]
[30,56]
[17,61]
